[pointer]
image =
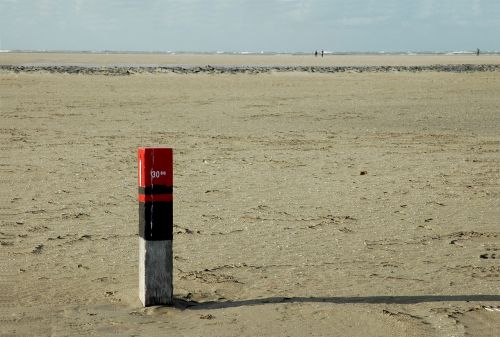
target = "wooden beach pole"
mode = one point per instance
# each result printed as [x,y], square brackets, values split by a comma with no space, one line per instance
[155,177]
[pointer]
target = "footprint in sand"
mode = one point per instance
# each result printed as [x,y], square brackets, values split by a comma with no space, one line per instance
[37,249]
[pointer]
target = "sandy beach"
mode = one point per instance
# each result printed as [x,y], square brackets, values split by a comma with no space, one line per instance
[305,204]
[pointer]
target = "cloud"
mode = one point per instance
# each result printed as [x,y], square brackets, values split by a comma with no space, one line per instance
[301,11]
[363,20]
[426,9]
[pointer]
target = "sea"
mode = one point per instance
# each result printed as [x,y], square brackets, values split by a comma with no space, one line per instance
[326,52]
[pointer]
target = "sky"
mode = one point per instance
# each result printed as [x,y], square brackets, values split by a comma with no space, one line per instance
[250,25]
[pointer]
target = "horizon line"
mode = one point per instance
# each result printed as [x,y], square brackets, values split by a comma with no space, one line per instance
[262,52]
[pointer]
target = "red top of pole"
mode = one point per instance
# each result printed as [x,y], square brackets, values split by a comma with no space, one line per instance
[155,176]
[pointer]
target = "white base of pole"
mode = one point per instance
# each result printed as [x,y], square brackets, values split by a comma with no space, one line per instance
[155,272]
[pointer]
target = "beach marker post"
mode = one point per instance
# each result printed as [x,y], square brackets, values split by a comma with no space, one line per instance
[155,180]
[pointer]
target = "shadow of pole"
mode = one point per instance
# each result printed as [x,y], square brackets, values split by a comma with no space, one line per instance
[193,305]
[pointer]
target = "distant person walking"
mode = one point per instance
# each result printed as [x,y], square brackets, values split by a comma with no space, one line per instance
[477,52]
[316,53]
[322,53]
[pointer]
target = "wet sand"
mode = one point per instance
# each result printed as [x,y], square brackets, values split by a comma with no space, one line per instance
[356,204]
[224,59]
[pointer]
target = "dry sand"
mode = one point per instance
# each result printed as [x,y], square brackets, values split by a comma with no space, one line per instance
[305,204]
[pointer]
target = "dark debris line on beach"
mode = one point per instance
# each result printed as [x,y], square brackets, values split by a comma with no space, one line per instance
[235,69]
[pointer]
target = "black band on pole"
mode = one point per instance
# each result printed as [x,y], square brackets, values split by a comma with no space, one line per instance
[156,189]
[156,220]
